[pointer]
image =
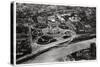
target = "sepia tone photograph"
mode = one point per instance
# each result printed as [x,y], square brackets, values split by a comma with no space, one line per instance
[54,33]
